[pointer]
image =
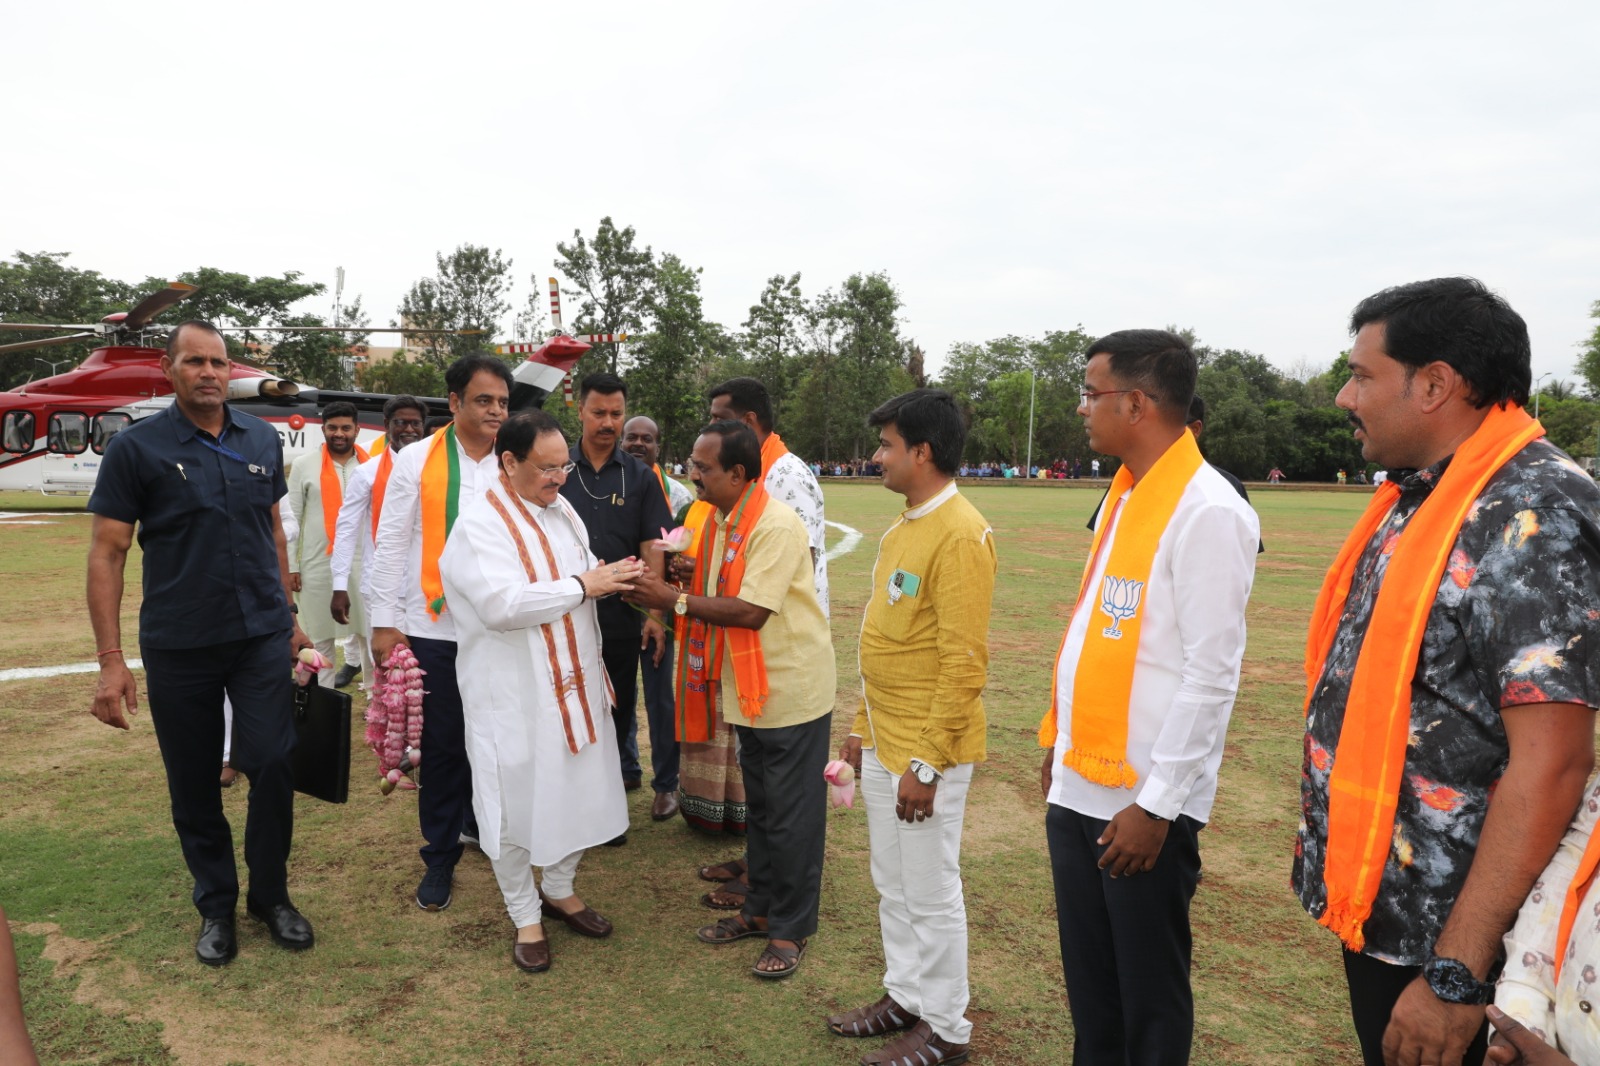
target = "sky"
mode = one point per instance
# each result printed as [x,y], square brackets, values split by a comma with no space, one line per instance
[1246,170]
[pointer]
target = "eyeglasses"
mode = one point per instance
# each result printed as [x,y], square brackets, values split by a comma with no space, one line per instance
[406,423]
[1090,394]
[551,471]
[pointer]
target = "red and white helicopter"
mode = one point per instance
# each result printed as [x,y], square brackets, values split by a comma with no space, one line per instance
[54,430]
[561,342]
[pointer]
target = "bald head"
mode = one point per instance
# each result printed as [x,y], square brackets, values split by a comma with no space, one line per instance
[641,438]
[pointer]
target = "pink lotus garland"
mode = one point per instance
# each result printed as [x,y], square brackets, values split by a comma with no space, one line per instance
[394,720]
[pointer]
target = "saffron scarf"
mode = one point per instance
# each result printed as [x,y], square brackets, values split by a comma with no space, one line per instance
[380,485]
[333,491]
[378,447]
[772,449]
[1364,787]
[1581,880]
[700,644]
[564,687]
[441,502]
[1103,681]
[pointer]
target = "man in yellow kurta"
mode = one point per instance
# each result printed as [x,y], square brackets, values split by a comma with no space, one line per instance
[920,727]
[752,637]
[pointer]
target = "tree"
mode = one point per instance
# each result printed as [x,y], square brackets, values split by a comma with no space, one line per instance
[399,375]
[1570,423]
[323,360]
[984,379]
[856,361]
[227,298]
[774,339]
[662,375]
[1588,366]
[41,287]
[467,292]
[611,282]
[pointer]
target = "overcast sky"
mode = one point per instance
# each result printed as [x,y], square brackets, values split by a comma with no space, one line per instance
[1249,170]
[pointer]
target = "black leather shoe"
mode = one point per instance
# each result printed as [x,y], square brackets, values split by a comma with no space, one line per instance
[217,944]
[346,674]
[288,926]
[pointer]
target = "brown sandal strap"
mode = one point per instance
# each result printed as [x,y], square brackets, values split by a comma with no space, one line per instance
[875,1019]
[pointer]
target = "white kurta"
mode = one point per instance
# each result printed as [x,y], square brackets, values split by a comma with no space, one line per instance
[309,556]
[553,802]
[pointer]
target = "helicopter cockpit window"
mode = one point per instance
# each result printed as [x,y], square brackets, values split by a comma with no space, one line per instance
[16,433]
[106,426]
[69,432]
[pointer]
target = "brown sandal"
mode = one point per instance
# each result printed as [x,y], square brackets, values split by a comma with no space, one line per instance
[731,870]
[921,1045]
[729,897]
[875,1019]
[727,930]
[790,957]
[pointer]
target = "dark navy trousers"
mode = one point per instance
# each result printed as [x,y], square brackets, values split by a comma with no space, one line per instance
[620,652]
[185,689]
[661,711]
[444,795]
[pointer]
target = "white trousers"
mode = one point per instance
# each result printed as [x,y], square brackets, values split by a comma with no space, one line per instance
[916,868]
[514,871]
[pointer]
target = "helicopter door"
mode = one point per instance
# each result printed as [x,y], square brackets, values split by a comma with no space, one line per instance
[105,426]
[16,432]
[69,433]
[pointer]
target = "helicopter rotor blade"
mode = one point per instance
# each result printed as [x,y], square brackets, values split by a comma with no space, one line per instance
[347,329]
[155,303]
[47,342]
[41,325]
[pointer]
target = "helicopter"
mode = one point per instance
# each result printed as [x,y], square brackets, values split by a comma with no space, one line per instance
[53,431]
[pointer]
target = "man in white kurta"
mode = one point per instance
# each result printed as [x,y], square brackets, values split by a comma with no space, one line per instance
[310,556]
[522,583]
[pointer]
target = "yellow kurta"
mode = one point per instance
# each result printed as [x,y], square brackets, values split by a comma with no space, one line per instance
[925,656]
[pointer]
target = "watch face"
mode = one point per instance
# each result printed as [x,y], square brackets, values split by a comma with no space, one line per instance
[1453,982]
[925,774]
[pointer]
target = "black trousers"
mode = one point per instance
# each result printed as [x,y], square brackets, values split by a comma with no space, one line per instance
[185,689]
[788,823]
[1125,944]
[1375,986]
[444,798]
[661,711]
[620,652]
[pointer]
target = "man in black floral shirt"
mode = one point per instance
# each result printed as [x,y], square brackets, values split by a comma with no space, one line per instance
[1506,678]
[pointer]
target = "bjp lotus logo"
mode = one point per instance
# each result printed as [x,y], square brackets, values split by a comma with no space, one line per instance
[1119,599]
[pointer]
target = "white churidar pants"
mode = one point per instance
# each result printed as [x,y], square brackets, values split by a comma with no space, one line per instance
[916,868]
[514,871]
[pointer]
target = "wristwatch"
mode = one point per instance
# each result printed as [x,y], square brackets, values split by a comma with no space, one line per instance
[681,608]
[1452,981]
[925,773]
[294,608]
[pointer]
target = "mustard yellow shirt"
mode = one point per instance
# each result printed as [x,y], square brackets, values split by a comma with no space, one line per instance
[925,647]
[795,641]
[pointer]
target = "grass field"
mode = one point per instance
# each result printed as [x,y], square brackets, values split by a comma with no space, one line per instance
[98,897]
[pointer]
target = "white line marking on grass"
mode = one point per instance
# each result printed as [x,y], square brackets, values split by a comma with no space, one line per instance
[31,673]
[10,516]
[852,537]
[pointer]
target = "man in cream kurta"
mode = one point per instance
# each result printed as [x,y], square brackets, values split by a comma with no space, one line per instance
[519,577]
[310,554]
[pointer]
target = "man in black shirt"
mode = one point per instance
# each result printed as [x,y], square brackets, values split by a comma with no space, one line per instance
[202,481]
[621,503]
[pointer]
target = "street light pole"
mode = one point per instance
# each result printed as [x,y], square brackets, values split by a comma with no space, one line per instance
[1033,382]
[1537,382]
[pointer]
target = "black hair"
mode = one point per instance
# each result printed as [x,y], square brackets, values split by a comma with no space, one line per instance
[1157,363]
[395,404]
[195,323]
[739,447]
[459,374]
[746,396]
[436,423]
[341,409]
[606,384]
[926,416]
[518,432]
[1197,409]
[1457,321]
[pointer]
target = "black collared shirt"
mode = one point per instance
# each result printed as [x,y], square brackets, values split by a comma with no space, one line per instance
[623,506]
[204,523]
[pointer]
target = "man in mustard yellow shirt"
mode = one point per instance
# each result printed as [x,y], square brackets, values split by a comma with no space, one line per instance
[920,728]
[752,640]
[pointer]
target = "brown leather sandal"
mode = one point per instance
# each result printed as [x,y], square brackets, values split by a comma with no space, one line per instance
[731,870]
[875,1019]
[921,1045]
[729,897]
[727,930]
[790,957]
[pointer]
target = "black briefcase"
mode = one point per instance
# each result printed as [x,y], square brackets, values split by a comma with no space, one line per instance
[322,752]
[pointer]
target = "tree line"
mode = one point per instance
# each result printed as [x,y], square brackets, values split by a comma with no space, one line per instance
[827,358]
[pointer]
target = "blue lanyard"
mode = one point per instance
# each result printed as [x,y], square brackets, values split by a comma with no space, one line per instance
[227,452]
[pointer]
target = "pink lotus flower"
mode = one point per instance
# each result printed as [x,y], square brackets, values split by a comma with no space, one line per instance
[310,662]
[675,540]
[841,778]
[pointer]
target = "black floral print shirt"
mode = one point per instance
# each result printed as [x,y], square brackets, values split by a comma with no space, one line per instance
[1516,621]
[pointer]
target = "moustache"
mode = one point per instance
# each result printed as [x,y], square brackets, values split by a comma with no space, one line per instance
[1355,423]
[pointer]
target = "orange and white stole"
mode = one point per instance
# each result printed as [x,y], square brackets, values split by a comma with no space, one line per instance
[439,496]
[772,449]
[1364,787]
[1103,680]
[572,694]
[380,485]
[333,491]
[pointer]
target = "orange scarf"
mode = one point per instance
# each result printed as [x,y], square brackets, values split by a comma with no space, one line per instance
[1103,679]
[700,644]
[563,686]
[378,446]
[441,502]
[1364,788]
[1582,878]
[772,449]
[380,485]
[333,491]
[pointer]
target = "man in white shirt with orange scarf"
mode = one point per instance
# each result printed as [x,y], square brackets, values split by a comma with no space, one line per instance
[1144,685]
